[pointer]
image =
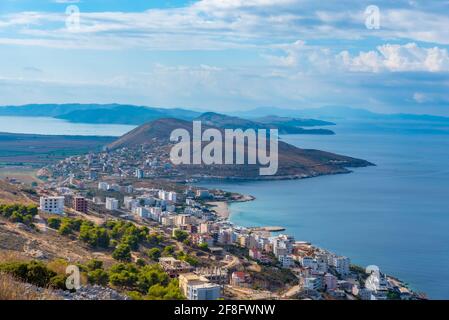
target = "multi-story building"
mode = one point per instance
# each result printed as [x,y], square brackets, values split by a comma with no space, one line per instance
[330,282]
[130,203]
[205,227]
[139,174]
[286,261]
[52,204]
[195,287]
[111,204]
[103,186]
[80,204]
[312,283]
[341,265]
[141,212]
[183,219]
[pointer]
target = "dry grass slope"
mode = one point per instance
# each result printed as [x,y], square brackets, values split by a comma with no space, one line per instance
[11,194]
[12,289]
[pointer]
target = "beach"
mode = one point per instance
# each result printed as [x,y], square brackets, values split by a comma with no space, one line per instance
[221,208]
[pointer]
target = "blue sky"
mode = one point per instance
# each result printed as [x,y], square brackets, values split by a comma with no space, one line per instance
[227,55]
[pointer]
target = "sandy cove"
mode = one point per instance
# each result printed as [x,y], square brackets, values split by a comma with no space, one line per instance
[221,208]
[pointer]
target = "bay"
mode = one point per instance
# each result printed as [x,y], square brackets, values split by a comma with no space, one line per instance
[394,215]
[53,126]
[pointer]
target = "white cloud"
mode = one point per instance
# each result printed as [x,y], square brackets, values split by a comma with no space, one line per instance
[210,24]
[397,58]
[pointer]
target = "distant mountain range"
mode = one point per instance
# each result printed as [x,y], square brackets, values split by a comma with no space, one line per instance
[98,113]
[137,115]
[335,113]
[288,121]
[284,125]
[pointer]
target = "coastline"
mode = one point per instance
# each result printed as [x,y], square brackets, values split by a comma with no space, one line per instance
[222,208]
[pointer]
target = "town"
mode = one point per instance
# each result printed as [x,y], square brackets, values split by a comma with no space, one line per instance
[225,260]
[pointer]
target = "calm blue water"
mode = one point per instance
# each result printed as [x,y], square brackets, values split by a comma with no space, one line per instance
[52,126]
[394,215]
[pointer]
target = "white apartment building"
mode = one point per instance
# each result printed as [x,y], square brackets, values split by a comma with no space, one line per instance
[203,291]
[130,203]
[142,212]
[312,283]
[196,287]
[286,261]
[308,262]
[182,219]
[341,265]
[52,204]
[111,204]
[167,196]
[103,186]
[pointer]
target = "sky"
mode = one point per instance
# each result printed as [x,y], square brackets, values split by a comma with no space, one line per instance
[227,55]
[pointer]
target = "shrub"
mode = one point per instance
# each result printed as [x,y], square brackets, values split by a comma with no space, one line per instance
[58,282]
[122,253]
[180,235]
[169,250]
[33,272]
[94,264]
[98,276]
[123,275]
[54,223]
[154,254]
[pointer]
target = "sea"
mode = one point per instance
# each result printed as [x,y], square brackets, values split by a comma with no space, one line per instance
[394,215]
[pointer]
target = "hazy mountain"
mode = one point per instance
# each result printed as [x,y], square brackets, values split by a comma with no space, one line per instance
[126,115]
[48,110]
[284,125]
[295,122]
[293,162]
[97,113]
[335,113]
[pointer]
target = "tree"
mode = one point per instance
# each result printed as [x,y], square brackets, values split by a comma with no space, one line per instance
[191,260]
[155,239]
[102,237]
[132,241]
[94,264]
[33,272]
[180,235]
[98,276]
[124,275]
[169,250]
[151,275]
[169,292]
[122,253]
[65,229]
[140,262]
[58,282]
[203,246]
[154,254]
[54,223]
